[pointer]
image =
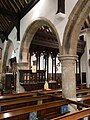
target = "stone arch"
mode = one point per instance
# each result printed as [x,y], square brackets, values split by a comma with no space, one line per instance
[30,32]
[5,55]
[73,27]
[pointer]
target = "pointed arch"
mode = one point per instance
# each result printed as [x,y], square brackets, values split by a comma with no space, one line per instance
[73,27]
[30,32]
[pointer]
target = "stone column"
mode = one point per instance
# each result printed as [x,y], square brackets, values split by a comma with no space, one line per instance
[68,77]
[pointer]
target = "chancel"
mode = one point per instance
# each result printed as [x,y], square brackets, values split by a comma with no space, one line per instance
[44,60]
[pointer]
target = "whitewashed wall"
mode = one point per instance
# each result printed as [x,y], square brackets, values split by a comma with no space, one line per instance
[87,37]
[86,56]
[16,44]
[48,9]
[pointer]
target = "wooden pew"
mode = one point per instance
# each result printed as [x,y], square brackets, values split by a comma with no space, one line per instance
[24,110]
[29,100]
[83,98]
[15,101]
[31,108]
[78,114]
[26,99]
[28,95]
[74,116]
[83,91]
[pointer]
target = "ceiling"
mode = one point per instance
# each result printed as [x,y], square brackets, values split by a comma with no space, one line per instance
[45,41]
[11,11]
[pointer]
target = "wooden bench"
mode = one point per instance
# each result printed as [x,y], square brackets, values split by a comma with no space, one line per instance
[31,108]
[83,98]
[74,116]
[17,112]
[21,100]
[21,104]
[83,91]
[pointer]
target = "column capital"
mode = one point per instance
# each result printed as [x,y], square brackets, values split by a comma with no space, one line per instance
[67,57]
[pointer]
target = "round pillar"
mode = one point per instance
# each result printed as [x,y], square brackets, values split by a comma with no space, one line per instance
[68,76]
[68,79]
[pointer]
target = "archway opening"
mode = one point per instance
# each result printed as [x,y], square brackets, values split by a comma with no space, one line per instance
[42,56]
[73,34]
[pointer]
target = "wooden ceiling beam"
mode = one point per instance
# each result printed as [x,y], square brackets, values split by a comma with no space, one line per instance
[5,12]
[21,3]
[12,3]
[17,5]
[11,13]
[1,32]
[6,33]
[3,4]
[27,8]
[44,34]
[42,42]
